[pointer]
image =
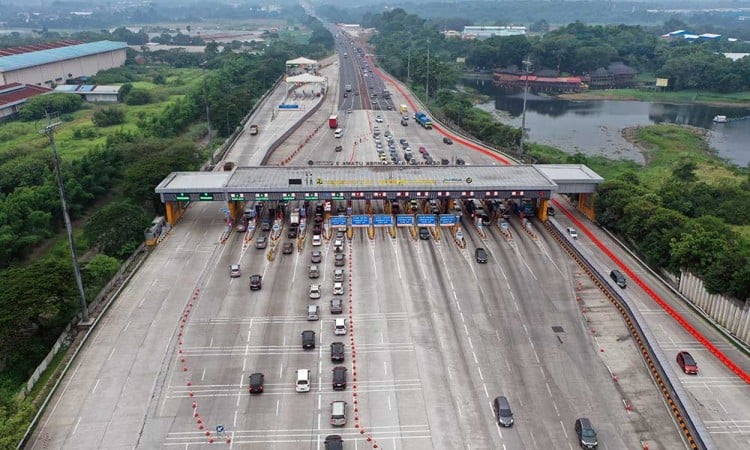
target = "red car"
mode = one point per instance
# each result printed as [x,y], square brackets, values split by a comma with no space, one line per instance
[422,150]
[687,363]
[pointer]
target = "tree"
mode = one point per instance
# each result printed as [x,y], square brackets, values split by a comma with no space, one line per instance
[117,228]
[100,269]
[37,107]
[138,96]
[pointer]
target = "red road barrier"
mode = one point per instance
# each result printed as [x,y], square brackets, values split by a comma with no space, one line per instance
[660,301]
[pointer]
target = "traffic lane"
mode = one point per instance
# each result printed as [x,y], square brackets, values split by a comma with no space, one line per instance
[564,388]
[116,359]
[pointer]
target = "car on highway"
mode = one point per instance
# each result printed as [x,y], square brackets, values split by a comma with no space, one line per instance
[586,433]
[422,150]
[687,363]
[337,352]
[337,306]
[241,227]
[234,271]
[447,140]
[339,148]
[339,327]
[338,413]
[339,261]
[339,378]
[308,339]
[334,442]
[317,241]
[424,233]
[503,413]
[338,288]
[460,162]
[316,256]
[261,242]
[256,383]
[481,255]
[256,282]
[338,275]
[292,233]
[314,291]
[404,123]
[572,232]
[287,248]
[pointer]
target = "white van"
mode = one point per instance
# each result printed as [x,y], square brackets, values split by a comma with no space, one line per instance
[339,327]
[317,241]
[338,133]
[303,381]
[338,413]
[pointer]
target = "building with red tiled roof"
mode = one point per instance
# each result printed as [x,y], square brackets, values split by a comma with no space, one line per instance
[14,95]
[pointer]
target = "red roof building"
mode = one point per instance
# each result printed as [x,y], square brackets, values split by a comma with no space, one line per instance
[14,95]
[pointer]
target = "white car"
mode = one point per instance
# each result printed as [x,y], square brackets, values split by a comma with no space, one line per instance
[572,232]
[339,327]
[378,119]
[338,288]
[314,291]
[317,241]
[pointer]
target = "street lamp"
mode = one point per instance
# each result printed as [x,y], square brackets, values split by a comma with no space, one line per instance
[408,63]
[527,66]
[49,130]
[208,112]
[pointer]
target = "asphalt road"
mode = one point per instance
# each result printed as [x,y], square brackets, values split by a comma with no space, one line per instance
[433,337]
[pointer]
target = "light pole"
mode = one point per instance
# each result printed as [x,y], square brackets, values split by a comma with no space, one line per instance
[427,83]
[49,130]
[408,63]
[527,66]
[208,111]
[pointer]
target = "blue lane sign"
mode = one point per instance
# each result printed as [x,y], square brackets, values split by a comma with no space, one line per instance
[404,220]
[360,221]
[447,220]
[338,221]
[426,220]
[288,106]
[383,220]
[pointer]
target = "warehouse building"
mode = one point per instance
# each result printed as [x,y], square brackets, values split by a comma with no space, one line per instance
[54,66]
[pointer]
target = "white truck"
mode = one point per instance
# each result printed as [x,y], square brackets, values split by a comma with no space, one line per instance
[294,218]
[348,88]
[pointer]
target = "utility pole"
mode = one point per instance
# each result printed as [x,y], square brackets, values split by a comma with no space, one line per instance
[208,112]
[49,130]
[527,66]
[427,83]
[408,63]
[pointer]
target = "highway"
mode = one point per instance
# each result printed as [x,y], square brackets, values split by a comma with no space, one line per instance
[432,335]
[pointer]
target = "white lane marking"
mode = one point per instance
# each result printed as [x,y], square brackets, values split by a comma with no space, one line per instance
[385,368]
[481,377]
[239,391]
[556,410]
[717,401]
[389,403]
[486,393]
[203,375]
[211,342]
[548,389]
[471,344]
[99,379]
[127,325]
[77,423]
[110,354]
[234,422]
[278,404]
[563,428]
[476,360]
[533,439]
[281,371]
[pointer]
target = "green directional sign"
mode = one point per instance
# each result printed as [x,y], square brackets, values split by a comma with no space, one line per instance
[337,196]
[236,197]
[182,197]
[311,195]
[261,197]
[288,196]
[206,196]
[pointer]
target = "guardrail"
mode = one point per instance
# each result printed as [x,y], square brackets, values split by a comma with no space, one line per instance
[694,432]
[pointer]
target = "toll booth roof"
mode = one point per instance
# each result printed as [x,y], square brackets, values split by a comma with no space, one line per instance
[391,177]
[185,181]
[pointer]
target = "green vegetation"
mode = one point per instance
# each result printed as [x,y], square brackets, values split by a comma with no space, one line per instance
[112,157]
[737,99]
[686,209]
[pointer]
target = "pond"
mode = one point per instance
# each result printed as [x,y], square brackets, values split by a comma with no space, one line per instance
[594,127]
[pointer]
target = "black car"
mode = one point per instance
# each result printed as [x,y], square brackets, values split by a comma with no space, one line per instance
[481,255]
[292,233]
[447,140]
[586,433]
[308,339]
[424,233]
[460,162]
[337,352]
[256,282]
[339,378]
[334,442]
[256,383]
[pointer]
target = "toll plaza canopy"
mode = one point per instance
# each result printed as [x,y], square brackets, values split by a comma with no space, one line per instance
[369,182]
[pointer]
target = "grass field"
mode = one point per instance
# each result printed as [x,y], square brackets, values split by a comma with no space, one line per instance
[78,134]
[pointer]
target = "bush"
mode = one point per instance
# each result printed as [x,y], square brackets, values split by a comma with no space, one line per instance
[108,116]
[138,97]
[37,107]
